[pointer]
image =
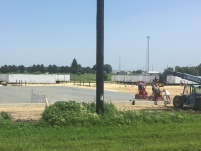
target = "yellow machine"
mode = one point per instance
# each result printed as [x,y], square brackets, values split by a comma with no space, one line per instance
[160,84]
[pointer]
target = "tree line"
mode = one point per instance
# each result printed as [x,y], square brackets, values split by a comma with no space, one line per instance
[194,70]
[75,68]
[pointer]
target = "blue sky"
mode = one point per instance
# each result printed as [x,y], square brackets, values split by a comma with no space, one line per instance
[57,31]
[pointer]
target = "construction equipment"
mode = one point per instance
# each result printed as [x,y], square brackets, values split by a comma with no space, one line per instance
[161,81]
[191,95]
[142,93]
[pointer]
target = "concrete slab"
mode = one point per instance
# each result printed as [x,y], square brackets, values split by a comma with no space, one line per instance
[22,94]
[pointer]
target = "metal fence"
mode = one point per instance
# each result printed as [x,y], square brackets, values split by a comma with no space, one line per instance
[38,98]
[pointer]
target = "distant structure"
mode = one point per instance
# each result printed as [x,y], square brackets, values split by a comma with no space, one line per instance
[147,56]
[153,72]
[119,63]
[34,78]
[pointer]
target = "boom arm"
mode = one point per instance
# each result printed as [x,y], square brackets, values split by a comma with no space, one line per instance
[184,76]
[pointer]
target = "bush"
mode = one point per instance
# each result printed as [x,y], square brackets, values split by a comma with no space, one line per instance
[63,113]
[5,116]
[105,77]
[71,113]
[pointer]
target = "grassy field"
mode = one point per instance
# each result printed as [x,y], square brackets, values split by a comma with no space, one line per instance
[178,137]
[73,126]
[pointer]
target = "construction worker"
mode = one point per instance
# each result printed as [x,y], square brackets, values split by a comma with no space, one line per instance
[140,85]
[167,95]
[155,89]
[156,93]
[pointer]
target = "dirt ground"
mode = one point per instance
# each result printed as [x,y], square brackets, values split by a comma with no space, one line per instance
[34,111]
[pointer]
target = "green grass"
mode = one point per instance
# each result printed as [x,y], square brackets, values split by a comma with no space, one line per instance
[72,126]
[185,136]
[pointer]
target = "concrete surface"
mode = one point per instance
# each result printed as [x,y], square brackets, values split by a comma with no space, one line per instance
[22,94]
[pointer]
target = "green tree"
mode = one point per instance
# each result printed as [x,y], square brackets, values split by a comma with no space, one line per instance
[199,69]
[107,68]
[178,69]
[5,69]
[137,72]
[41,68]
[12,68]
[194,71]
[52,69]
[34,69]
[87,70]
[94,67]
[21,69]
[188,70]
[66,69]
[62,69]
[74,66]
[38,68]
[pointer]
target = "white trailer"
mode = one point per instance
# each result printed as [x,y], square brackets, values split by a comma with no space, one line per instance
[133,78]
[30,78]
[148,79]
[34,78]
[177,80]
[62,77]
[3,77]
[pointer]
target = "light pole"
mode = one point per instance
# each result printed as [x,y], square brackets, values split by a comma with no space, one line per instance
[148,53]
[119,63]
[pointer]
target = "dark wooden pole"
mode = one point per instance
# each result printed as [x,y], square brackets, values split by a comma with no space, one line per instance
[100,57]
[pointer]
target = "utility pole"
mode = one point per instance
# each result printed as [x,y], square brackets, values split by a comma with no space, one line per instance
[100,57]
[148,53]
[119,63]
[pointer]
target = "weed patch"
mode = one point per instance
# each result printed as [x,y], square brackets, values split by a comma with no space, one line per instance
[71,113]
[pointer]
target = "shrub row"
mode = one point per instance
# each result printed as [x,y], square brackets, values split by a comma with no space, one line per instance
[72,113]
